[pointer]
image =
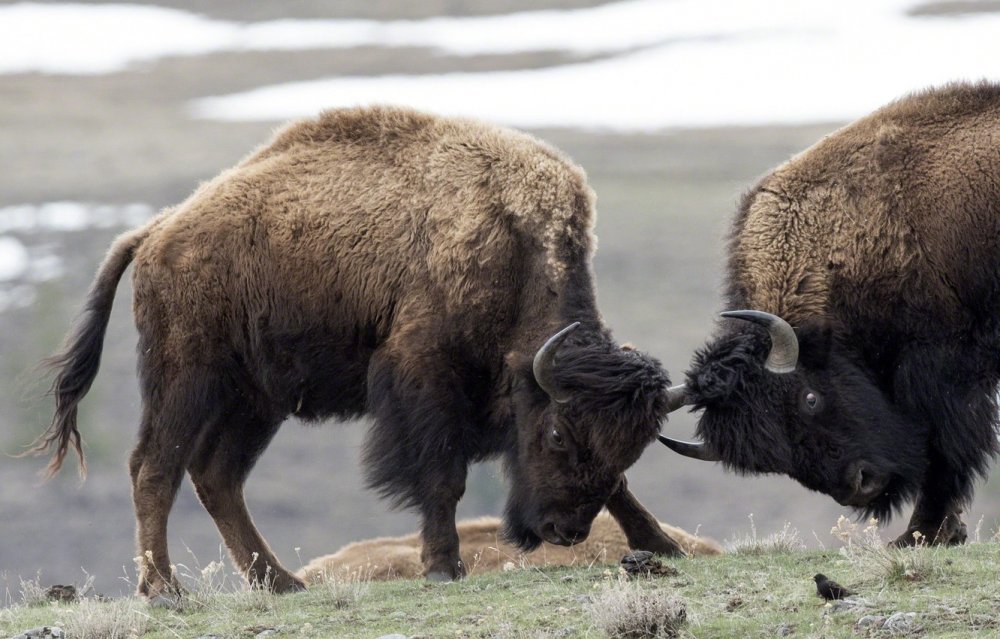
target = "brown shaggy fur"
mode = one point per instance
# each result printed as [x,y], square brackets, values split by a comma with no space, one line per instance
[484,550]
[384,262]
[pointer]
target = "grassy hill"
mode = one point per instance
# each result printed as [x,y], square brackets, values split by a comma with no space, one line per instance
[764,588]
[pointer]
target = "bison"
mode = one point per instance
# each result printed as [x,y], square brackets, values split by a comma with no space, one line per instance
[867,368]
[483,549]
[433,274]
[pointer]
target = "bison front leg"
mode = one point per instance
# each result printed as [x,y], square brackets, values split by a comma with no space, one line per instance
[937,517]
[414,453]
[641,529]
[440,552]
[947,531]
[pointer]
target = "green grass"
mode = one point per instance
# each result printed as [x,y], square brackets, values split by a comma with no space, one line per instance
[750,593]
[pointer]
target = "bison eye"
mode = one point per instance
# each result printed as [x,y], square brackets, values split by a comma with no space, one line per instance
[812,402]
[557,438]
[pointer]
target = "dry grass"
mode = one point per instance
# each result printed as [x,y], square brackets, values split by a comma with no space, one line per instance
[785,540]
[627,610]
[32,592]
[343,588]
[119,619]
[867,552]
[941,592]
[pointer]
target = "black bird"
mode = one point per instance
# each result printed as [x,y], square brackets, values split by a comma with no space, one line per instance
[829,589]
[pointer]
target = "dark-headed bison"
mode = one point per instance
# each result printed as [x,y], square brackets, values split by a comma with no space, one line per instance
[868,367]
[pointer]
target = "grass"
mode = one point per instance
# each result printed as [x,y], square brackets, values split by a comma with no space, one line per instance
[765,592]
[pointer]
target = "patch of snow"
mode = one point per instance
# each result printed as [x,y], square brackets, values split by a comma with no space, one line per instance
[14,260]
[836,73]
[71,216]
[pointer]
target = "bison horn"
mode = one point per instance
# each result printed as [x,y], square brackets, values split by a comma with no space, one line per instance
[695,450]
[542,366]
[784,352]
[677,396]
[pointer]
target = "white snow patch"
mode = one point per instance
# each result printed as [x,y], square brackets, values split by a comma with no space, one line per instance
[14,260]
[71,216]
[835,73]
[102,38]
[677,63]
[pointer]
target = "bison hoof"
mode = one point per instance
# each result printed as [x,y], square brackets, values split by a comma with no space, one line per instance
[446,571]
[286,584]
[951,532]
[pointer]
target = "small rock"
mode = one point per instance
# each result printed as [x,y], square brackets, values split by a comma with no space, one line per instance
[42,632]
[785,629]
[852,603]
[900,623]
[267,632]
[871,621]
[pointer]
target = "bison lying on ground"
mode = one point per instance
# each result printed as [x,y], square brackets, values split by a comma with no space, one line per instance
[393,264]
[483,549]
[880,246]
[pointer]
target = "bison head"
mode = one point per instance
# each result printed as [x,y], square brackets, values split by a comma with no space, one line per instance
[585,409]
[801,403]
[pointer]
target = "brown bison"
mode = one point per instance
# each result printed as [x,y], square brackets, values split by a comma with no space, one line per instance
[483,549]
[868,368]
[386,263]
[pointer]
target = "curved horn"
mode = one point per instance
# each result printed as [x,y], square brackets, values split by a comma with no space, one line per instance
[677,397]
[542,365]
[695,450]
[784,352]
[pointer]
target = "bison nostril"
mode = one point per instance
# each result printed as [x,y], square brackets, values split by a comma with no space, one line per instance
[573,534]
[866,482]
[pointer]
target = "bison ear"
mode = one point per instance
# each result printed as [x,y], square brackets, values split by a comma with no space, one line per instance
[712,383]
[719,368]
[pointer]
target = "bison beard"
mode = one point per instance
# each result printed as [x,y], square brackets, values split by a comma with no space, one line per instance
[387,263]
[880,245]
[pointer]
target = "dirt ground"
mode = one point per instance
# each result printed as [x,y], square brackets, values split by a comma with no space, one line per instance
[664,202]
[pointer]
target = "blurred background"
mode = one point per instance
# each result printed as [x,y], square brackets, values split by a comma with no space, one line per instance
[674,107]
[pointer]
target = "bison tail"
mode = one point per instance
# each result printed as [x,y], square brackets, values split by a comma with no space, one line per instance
[76,364]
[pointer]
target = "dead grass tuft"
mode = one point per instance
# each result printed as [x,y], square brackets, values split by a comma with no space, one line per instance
[344,588]
[33,592]
[626,610]
[119,619]
[871,555]
[784,541]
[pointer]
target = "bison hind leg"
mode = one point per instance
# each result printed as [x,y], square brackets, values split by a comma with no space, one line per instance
[171,420]
[225,455]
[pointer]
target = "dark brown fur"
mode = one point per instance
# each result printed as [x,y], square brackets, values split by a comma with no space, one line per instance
[880,245]
[381,262]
